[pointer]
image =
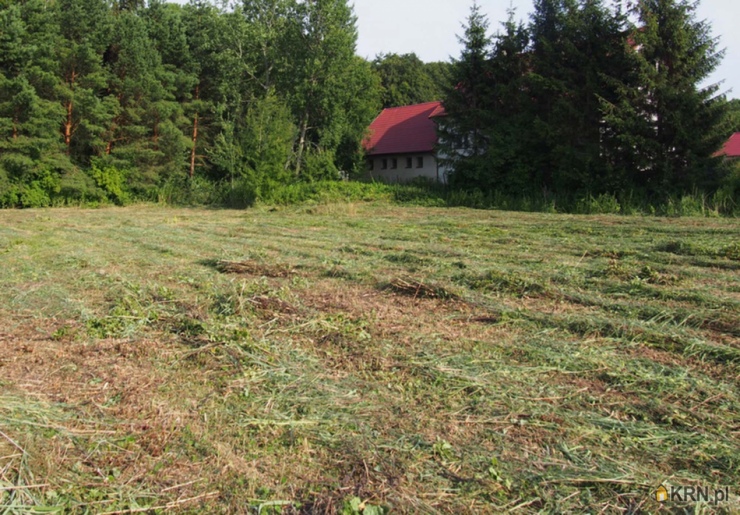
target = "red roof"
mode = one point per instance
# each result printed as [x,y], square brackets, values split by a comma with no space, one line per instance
[732,147]
[403,130]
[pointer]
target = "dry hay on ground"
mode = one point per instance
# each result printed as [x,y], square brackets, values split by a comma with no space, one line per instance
[254,268]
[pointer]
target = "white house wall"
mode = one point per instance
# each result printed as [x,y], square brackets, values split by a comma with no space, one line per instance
[401,173]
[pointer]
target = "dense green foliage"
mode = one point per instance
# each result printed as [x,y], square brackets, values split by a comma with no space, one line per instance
[587,98]
[406,80]
[110,101]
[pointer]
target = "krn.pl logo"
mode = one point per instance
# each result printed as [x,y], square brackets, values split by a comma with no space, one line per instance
[662,494]
[692,494]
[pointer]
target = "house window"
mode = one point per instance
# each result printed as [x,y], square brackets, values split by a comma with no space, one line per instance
[385,164]
[420,162]
[394,163]
[371,164]
[409,162]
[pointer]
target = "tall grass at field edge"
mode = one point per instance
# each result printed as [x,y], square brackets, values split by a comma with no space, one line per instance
[240,194]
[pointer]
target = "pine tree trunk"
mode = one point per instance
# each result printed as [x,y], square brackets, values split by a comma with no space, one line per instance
[15,125]
[195,135]
[109,146]
[156,131]
[301,143]
[68,127]
[68,121]
[195,144]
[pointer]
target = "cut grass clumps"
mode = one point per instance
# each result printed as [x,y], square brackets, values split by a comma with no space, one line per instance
[422,360]
[406,258]
[419,290]
[617,270]
[684,248]
[129,314]
[652,276]
[609,253]
[494,281]
[254,268]
[731,251]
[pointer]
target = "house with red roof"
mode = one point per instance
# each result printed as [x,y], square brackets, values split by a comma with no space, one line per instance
[731,150]
[401,144]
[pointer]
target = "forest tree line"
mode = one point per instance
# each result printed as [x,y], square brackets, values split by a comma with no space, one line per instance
[590,97]
[111,100]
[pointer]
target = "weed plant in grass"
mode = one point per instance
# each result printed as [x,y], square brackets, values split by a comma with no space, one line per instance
[365,358]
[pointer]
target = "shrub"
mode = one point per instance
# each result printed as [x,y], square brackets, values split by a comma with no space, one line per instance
[34,196]
[603,204]
[113,181]
[241,193]
[181,191]
[79,188]
[318,165]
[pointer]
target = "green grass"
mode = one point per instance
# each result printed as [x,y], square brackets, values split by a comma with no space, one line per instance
[358,358]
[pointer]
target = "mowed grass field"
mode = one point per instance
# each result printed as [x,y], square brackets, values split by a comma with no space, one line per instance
[365,359]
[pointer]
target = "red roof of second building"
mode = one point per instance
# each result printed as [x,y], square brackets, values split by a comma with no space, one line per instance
[403,130]
[732,147]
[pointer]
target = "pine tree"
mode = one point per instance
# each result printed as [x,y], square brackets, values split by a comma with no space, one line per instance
[205,29]
[31,157]
[177,75]
[85,31]
[132,64]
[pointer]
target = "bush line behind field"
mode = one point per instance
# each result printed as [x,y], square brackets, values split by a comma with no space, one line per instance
[202,192]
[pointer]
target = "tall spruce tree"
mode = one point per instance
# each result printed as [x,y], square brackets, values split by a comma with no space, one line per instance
[669,125]
[102,96]
[512,165]
[468,111]
[578,49]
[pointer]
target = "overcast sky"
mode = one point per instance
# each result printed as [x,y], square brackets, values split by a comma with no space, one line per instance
[429,28]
